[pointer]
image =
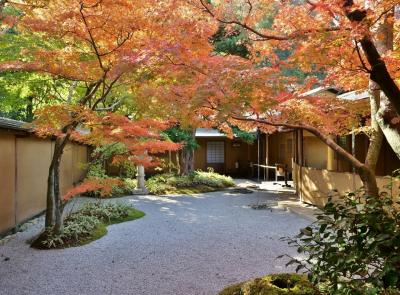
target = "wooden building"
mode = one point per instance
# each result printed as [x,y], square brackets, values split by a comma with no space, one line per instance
[232,157]
[318,170]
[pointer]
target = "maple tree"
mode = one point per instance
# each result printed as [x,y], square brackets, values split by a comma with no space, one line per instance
[159,55]
[141,140]
[101,51]
[309,42]
[226,90]
[351,41]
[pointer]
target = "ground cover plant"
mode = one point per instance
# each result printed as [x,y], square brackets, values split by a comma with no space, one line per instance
[195,182]
[87,224]
[277,284]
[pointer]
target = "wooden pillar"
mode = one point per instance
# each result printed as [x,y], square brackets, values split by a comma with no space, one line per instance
[301,148]
[258,155]
[266,156]
[331,164]
[301,163]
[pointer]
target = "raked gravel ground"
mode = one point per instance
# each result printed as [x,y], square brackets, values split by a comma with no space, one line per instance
[184,245]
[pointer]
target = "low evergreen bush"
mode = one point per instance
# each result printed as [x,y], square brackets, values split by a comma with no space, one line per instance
[196,182]
[354,247]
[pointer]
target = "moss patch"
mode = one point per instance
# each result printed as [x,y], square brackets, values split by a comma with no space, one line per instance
[276,284]
[99,231]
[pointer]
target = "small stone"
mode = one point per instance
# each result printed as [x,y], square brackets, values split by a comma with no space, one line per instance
[6,259]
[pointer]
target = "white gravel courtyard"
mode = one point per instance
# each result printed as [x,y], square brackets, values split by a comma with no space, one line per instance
[184,245]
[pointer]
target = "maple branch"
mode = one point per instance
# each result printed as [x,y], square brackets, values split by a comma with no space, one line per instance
[199,71]
[378,72]
[90,91]
[120,43]
[364,66]
[383,14]
[111,107]
[266,37]
[186,65]
[92,41]
[231,22]
[326,139]
[250,8]
[71,91]
[93,5]
[104,94]
[315,5]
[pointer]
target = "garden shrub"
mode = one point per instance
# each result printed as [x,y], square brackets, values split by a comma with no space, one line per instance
[96,169]
[125,188]
[128,185]
[212,179]
[354,247]
[87,224]
[198,181]
[276,284]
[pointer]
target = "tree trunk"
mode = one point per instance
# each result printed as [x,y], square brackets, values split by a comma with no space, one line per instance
[29,109]
[187,156]
[380,74]
[2,4]
[178,165]
[384,117]
[49,219]
[58,221]
[368,179]
[386,111]
[169,162]
[376,136]
[367,175]
[372,49]
[54,210]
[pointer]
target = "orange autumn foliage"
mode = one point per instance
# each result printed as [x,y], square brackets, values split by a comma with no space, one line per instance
[102,185]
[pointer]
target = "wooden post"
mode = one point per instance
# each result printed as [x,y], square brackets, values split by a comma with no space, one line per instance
[258,155]
[301,163]
[266,174]
[169,161]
